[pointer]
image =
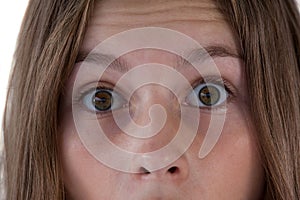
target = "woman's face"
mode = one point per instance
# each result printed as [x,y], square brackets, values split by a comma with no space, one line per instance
[231,169]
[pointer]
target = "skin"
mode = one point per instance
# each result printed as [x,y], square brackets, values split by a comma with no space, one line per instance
[231,170]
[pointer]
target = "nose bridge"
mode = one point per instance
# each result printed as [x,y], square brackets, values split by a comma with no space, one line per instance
[142,101]
[149,95]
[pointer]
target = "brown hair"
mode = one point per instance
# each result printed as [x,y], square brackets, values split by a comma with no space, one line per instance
[51,33]
[46,51]
[269,34]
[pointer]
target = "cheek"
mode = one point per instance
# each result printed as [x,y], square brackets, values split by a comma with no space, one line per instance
[82,174]
[232,170]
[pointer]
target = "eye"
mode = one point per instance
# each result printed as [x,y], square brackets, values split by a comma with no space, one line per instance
[207,95]
[101,100]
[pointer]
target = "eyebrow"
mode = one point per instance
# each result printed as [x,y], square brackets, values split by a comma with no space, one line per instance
[121,65]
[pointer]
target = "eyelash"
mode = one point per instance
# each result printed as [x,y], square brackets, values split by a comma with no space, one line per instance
[78,100]
[229,88]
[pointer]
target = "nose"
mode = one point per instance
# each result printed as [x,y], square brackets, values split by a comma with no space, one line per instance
[177,171]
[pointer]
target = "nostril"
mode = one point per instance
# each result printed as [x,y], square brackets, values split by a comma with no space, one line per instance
[143,170]
[173,170]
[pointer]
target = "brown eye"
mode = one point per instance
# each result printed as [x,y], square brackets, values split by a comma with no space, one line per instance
[209,95]
[102,100]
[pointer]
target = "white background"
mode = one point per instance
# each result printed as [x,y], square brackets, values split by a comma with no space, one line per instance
[11,13]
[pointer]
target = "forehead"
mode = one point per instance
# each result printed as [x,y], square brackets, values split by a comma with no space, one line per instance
[199,19]
[147,12]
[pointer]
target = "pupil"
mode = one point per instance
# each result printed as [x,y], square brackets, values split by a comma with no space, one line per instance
[209,95]
[102,100]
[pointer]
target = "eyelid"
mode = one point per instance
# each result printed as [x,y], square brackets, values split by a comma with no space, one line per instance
[229,88]
[79,99]
[84,90]
[92,86]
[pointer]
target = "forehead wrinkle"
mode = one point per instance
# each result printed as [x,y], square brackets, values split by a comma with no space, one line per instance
[143,13]
[144,6]
[114,16]
[161,23]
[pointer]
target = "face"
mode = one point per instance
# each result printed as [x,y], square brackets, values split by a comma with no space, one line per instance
[230,170]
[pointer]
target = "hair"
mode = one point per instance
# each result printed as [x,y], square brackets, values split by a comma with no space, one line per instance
[47,46]
[52,31]
[269,35]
